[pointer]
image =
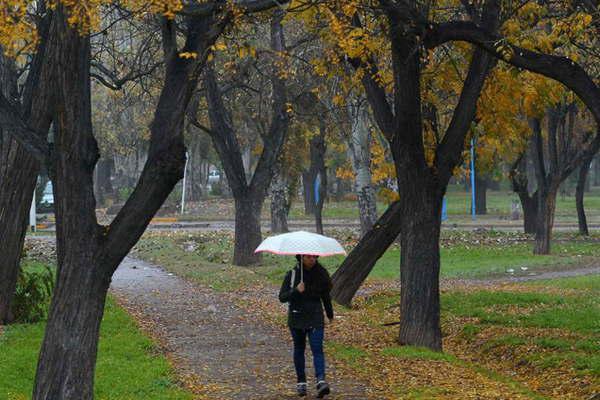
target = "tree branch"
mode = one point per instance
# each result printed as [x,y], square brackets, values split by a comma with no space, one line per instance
[248,6]
[449,152]
[280,119]
[11,121]
[223,134]
[166,155]
[558,68]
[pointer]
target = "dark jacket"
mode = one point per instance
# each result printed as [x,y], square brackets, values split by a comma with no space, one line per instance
[305,310]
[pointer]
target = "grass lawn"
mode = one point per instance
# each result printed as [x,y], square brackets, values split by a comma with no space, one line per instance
[129,365]
[499,204]
[206,257]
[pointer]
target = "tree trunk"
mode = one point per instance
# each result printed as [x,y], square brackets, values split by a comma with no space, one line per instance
[68,357]
[481,183]
[420,267]
[356,267]
[308,183]
[18,174]
[318,146]
[597,170]
[546,206]
[247,230]
[521,183]
[18,167]
[360,154]
[279,203]
[530,211]
[103,184]
[581,184]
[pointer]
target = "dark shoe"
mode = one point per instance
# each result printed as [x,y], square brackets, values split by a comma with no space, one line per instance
[322,389]
[301,389]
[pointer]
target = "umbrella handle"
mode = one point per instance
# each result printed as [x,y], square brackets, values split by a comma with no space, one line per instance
[301,268]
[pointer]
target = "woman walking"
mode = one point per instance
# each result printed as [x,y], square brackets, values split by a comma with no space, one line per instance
[307,292]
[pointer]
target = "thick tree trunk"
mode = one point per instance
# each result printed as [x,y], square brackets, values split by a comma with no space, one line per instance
[356,267]
[420,267]
[545,221]
[67,359]
[247,230]
[18,167]
[481,183]
[18,174]
[279,203]
[581,184]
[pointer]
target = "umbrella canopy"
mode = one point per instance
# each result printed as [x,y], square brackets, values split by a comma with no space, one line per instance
[301,242]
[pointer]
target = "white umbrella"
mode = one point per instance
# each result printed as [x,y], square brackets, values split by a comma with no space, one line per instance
[301,242]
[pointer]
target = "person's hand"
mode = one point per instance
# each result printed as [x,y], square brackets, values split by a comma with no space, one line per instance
[300,287]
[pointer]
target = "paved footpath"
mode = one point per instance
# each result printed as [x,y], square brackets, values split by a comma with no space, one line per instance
[227,350]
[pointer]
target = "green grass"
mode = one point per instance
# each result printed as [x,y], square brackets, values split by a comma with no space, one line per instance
[485,260]
[352,355]
[210,262]
[578,314]
[128,367]
[585,282]
[418,353]
[543,310]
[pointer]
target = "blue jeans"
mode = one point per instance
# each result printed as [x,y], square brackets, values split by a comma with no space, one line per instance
[315,338]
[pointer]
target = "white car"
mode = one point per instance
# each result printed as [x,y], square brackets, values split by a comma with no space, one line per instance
[214,176]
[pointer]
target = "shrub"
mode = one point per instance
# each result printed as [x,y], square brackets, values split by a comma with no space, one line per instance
[216,189]
[33,293]
[124,193]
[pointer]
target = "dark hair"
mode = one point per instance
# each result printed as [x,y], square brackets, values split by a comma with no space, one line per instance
[298,256]
[324,280]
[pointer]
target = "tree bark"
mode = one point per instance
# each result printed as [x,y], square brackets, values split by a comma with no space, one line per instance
[279,202]
[597,170]
[102,183]
[420,267]
[318,146]
[546,208]
[530,212]
[520,185]
[356,267]
[18,167]
[308,184]
[581,184]
[359,149]
[247,230]
[67,359]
